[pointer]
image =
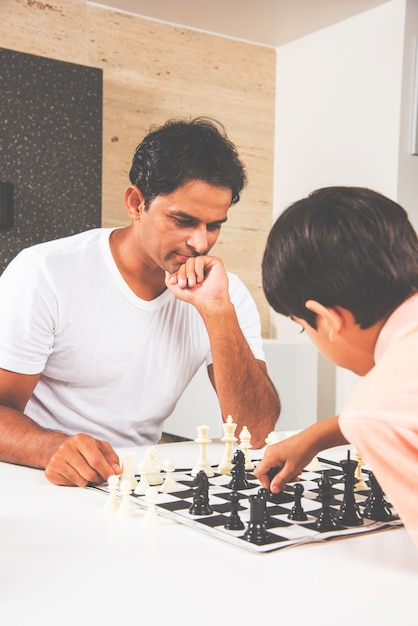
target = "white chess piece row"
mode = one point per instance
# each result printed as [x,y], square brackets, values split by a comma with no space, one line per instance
[126,483]
[229,438]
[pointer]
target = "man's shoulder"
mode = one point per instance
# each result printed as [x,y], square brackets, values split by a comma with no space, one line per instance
[71,244]
[58,252]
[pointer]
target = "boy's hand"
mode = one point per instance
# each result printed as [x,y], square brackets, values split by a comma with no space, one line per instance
[292,455]
[283,462]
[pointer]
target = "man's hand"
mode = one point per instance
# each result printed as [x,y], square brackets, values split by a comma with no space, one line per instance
[201,280]
[80,460]
[289,457]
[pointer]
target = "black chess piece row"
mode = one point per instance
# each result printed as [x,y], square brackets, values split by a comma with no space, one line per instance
[376,507]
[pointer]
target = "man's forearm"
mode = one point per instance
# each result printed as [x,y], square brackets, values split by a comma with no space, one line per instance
[244,389]
[24,442]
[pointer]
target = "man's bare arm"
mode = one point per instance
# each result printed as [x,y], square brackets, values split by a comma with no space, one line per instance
[67,460]
[243,387]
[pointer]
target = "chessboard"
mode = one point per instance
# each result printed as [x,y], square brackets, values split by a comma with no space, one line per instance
[310,510]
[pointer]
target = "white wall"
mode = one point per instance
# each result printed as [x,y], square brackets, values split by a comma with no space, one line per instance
[292,368]
[343,117]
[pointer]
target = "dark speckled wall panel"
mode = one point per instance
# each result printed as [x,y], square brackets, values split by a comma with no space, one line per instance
[50,148]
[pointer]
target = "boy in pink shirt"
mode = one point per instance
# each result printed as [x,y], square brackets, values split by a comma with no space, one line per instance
[343,263]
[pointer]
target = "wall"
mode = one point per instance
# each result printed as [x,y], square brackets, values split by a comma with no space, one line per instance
[343,117]
[152,72]
[50,148]
[293,370]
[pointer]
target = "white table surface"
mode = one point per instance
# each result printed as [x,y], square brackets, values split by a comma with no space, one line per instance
[63,560]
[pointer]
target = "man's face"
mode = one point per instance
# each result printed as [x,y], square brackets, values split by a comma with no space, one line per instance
[182,224]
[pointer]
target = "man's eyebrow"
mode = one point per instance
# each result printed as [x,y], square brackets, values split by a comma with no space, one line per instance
[192,218]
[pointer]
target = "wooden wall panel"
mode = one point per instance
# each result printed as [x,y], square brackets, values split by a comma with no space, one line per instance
[152,72]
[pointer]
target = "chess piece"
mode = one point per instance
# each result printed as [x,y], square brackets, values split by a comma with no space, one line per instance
[153,466]
[256,531]
[225,466]
[202,462]
[376,506]
[239,480]
[349,513]
[325,521]
[169,485]
[128,473]
[143,485]
[245,445]
[268,520]
[201,504]
[271,438]
[360,484]
[126,509]
[112,503]
[234,522]
[297,514]
[151,516]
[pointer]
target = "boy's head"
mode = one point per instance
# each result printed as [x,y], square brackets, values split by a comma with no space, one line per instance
[341,246]
[181,151]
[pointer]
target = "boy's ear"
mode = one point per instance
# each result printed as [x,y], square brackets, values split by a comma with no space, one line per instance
[330,319]
[134,201]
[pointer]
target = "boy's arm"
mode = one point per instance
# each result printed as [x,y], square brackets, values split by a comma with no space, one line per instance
[294,453]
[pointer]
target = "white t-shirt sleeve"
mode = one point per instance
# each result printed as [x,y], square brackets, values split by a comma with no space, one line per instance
[28,313]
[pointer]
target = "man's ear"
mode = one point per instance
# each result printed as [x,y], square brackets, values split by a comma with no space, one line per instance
[134,201]
[330,319]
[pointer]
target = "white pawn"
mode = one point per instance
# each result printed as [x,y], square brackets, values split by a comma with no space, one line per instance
[126,509]
[143,485]
[169,485]
[112,503]
[245,445]
[151,516]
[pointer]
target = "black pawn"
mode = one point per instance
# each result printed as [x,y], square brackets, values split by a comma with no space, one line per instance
[256,531]
[201,504]
[297,514]
[349,513]
[325,521]
[376,506]
[265,493]
[234,522]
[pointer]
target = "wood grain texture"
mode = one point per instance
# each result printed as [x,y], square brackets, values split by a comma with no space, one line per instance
[152,72]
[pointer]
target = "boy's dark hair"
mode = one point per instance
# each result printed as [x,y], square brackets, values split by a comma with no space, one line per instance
[180,151]
[342,246]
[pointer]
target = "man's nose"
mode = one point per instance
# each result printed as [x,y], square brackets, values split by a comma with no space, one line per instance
[198,239]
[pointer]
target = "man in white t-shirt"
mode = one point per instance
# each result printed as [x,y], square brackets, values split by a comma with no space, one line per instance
[101,332]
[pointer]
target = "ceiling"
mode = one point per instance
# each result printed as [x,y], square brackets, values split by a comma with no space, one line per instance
[265,22]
